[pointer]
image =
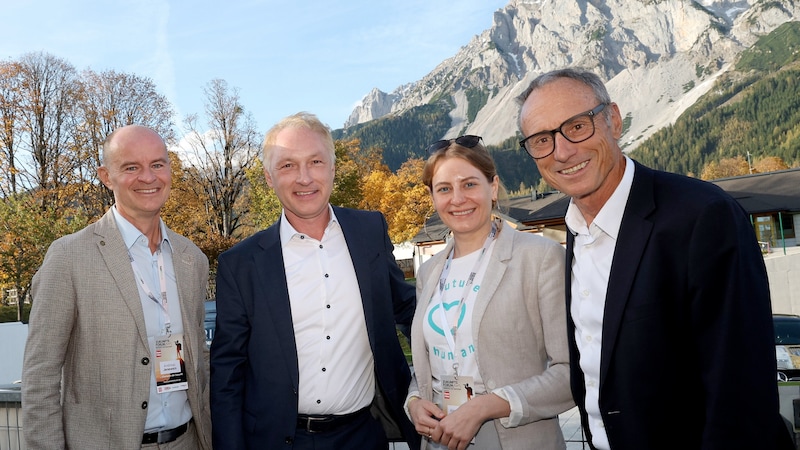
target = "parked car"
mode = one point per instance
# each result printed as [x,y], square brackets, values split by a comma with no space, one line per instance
[211,320]
[787,344]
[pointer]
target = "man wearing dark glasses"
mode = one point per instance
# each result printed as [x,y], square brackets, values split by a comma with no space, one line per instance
[669,315]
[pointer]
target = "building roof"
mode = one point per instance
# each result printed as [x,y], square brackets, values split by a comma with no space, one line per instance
[765,192]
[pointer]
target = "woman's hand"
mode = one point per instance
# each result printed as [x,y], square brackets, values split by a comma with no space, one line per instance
[425,415]
[457,429]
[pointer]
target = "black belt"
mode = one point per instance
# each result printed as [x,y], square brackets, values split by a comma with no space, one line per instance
[162,437]
[319,424]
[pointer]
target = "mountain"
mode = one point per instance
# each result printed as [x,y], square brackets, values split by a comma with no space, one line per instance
[658,58]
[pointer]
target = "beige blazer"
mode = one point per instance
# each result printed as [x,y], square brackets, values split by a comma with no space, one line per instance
[519,327]
[87,320]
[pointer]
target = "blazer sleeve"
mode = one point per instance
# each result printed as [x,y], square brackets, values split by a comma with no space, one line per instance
[228,360]
[50,327]
[403,293]
[731,311]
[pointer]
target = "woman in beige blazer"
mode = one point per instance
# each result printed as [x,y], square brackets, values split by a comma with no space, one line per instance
[489,340]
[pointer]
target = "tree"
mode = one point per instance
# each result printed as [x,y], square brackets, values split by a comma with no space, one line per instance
[769,164]
[348,188]
[401,197]
[726,167]
[186,213]
[265,208]
[9,118]
[26,231]
[417,203]
[220,157]
[47,91]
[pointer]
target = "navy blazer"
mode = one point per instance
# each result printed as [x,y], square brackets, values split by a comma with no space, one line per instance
[254,369]
[688,356]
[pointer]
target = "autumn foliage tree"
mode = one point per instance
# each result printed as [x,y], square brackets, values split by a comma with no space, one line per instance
[265,208]
[734,167]
[220,156]
[769,164]
[53,121]
[26,231]
[400,196]
[726,167]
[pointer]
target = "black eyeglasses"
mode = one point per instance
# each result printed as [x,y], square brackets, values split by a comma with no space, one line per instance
[575,129]
[468,141]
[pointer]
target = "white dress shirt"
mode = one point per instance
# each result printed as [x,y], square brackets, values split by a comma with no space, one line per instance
[170,409]
[335,361]
[591,268]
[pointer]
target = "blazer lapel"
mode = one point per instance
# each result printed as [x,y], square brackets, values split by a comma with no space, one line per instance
[494,273]
[182,263]
[634,233]
[362,258]
[273,285]
[115,255]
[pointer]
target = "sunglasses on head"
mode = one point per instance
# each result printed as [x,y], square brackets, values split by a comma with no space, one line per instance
[468,141]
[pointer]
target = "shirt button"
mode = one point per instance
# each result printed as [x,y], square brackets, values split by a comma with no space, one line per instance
[326,275]
[320,246]
[145,360]
[324,369]
[319,401]
[328,306]
[144,405]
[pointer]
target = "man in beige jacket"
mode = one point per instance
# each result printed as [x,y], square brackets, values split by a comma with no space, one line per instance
[116,354]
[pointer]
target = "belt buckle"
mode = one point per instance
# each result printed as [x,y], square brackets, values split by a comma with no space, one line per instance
[310,420]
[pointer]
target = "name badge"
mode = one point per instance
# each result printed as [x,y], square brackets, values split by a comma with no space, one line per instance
[170,367]
[456,390]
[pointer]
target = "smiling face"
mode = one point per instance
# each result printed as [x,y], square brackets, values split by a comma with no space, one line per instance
[463,198]
[136,167]
[588,171]
[301,172]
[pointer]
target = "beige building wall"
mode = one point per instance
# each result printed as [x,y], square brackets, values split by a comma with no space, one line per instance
[784,279]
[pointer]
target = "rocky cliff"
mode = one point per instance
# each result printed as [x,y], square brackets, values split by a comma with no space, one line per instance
[657,56]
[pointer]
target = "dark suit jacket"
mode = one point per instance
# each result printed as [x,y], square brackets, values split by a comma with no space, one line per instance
[688,358]
[254,369]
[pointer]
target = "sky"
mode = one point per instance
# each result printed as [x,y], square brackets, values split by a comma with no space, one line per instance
[283,56]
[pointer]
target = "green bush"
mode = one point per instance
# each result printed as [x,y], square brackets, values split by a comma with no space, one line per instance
[8,313]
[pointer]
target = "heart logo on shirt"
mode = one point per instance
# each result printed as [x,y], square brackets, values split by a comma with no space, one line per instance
[434,314]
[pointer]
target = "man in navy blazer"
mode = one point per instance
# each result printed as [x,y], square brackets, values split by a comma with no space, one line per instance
[669,316]
[305,353]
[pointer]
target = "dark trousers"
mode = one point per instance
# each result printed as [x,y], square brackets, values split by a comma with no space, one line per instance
[365,433]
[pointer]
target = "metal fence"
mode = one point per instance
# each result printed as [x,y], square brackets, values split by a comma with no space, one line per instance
[11,418]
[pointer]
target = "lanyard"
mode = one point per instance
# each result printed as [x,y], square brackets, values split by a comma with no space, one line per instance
[450,331]
[162,279]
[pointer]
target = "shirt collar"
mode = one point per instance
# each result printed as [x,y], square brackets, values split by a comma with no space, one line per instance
[609,219]
[130,234]
[287,231]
